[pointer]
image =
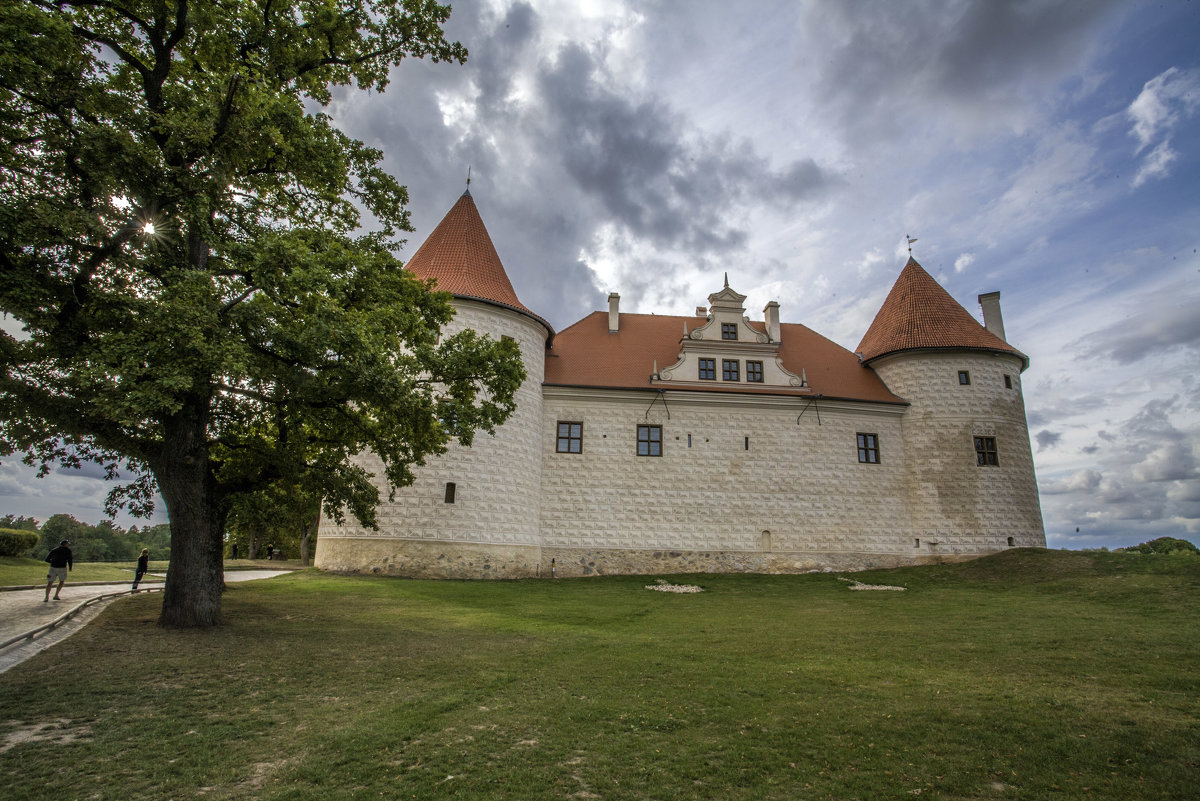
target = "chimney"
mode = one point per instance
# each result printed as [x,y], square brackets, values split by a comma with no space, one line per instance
[771,312]
[614,316]
[701,311]
[992,320]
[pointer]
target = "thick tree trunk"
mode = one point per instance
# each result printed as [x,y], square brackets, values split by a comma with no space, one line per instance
[195,578]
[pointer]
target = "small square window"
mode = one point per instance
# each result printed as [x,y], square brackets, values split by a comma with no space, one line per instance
[649,440]
[1007,381]
[730,370]
[868,448]
[570,437]
[754,372]
[729,330]
[708,369]
[964,377]
[985,452]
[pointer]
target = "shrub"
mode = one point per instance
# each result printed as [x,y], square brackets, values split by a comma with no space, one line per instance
[1163,545]
[17,543]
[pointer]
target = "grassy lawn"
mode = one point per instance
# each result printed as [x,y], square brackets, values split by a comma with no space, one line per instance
[1028,675]
[15,571]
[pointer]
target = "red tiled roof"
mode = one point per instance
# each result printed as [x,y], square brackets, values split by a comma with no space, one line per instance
[460,257]
[919,313]
[587,355]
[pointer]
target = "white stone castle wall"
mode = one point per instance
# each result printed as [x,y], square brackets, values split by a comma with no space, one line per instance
[497,480]
[960,506]
[799,481]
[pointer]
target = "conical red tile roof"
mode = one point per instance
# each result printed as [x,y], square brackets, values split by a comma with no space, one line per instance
[919,313]
[460,257]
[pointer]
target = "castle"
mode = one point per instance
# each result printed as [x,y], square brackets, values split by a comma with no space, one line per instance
[647,443]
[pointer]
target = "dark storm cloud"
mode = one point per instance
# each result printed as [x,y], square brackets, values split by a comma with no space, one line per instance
[1149,334]
[562,157]
[651,174]
[887,61]
[1047,439]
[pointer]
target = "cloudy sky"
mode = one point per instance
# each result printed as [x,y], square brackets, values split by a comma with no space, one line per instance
[1048,149]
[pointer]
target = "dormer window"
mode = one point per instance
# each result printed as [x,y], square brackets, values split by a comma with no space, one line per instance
[729,330]
[708,369]
[729,370]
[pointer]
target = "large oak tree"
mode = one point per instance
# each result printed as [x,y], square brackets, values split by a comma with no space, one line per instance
[180,242]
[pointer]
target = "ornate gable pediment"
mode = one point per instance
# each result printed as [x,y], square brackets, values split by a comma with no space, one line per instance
[727,336]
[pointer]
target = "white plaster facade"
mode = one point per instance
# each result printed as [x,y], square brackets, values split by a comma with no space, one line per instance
[763,477]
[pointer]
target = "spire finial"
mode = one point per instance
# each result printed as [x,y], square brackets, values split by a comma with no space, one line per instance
[910,239]
[727,279]
[467,191]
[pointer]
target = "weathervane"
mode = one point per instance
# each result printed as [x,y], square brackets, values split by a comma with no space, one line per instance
[910,239]
[468,176]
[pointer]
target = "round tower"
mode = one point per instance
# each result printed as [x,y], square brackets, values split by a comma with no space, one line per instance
[970,474]
[473,512]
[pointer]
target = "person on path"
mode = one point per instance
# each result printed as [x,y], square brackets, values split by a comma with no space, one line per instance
[142,566]
[61,561]
[235,550]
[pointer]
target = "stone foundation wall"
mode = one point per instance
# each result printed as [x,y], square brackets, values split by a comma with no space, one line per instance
[437,560]
[457,560]
[573,562]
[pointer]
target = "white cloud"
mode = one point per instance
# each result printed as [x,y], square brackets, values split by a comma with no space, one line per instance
[1155,164]
[1163,103]
[963,262]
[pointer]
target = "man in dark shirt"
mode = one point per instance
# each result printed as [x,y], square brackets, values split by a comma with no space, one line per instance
[61,561]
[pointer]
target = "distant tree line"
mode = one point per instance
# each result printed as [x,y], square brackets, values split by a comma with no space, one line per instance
[103,542]
[1163,545]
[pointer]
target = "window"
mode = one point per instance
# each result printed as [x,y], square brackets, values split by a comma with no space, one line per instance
[708,369]
[730,370]
[728,330]
[985,452]
[1007,381]
[570,437]
[649,440]
[964,377]
[868,448]
[754,372]
[450,488]
[1011,542]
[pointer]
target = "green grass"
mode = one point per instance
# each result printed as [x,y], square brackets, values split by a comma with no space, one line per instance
[16,571]
[1028,675]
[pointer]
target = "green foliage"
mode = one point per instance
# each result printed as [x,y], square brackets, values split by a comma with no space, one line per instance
[178,235]
[21,522]
[104,542]
[1163,545]
[280,516]
[15,542]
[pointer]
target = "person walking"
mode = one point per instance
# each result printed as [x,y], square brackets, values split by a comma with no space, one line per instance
[61,561]
[142,566]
